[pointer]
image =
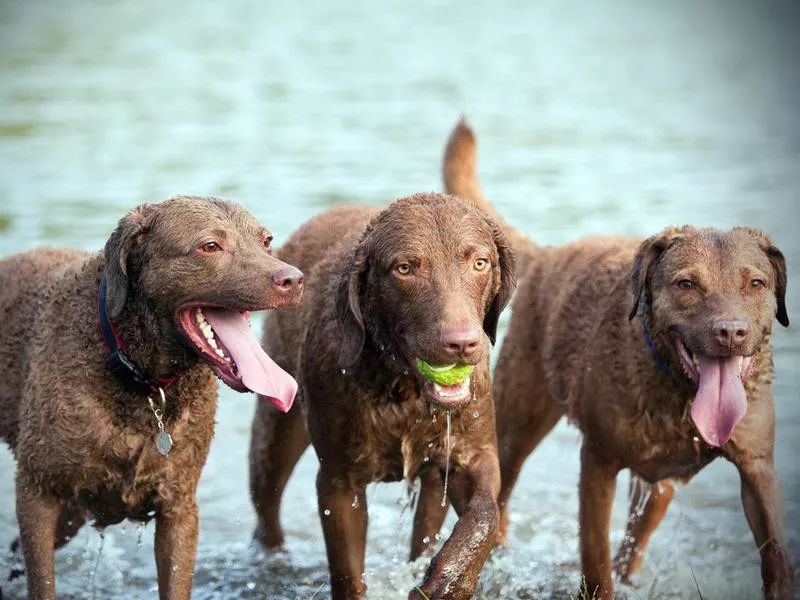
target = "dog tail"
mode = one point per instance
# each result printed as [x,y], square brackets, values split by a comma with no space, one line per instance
[460,176]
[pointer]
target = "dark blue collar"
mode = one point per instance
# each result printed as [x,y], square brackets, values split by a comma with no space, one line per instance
[662,364]
[117,361]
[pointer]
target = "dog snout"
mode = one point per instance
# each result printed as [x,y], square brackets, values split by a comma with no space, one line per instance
[287,280]
[461,343]
[730,333]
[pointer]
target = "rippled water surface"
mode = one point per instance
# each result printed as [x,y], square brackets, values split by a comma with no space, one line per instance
[592,118]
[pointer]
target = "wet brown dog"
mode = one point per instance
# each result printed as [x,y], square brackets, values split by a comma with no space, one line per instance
[425,278]
[170,290]
[659,350]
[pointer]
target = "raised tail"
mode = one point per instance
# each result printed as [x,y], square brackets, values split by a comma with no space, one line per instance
[460,176]
[459,167]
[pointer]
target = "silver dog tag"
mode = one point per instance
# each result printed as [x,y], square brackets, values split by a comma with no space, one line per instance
[163,442]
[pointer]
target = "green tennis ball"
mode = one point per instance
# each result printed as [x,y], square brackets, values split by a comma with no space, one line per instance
[452,376]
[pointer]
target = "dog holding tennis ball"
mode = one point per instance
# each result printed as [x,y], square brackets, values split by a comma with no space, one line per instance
[391,352]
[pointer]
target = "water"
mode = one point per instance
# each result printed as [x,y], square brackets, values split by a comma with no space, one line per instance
[620,116]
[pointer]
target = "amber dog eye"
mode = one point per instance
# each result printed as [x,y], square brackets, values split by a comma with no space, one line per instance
[757,283]
[210,247]
[480,264]
[267,241]
[686,284]
[403,268]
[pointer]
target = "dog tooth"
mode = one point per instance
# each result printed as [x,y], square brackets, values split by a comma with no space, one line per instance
[220,353]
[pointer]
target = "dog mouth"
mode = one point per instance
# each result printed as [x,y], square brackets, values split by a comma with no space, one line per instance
[449,386]
[224,340]
[721,400]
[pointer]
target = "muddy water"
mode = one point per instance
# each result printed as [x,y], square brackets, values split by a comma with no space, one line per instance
[593,118]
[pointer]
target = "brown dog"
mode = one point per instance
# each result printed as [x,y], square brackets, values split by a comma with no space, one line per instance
[659,350]
[422,280]
[88,341]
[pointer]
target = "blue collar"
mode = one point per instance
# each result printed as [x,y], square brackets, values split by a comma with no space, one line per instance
[662,364]
[117,361]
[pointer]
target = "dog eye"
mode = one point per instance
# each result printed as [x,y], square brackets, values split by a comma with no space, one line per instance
[480,264]
[267,241]
[686,284]
[210,247]
[403,268]
[757,283]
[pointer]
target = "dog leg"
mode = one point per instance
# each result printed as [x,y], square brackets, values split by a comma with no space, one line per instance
[175,548]
[761,498]
[430,513]
[277,442]
[453,572]
[643,518]
[38,519]
[343,510]
[597,485]
[515,445]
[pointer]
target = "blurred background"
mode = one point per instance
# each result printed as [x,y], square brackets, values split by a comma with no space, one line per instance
[613,117]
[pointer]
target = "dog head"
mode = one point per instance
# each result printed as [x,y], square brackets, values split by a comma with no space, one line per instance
[201,264]
[425,286]
[708,298]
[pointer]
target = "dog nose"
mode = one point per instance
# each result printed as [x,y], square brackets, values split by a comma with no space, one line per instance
[730,333]
[287,279]
[461,343]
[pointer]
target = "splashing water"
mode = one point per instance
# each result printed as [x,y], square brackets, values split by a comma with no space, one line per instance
[139,533]
[446,461]
[641,491]
[97,566]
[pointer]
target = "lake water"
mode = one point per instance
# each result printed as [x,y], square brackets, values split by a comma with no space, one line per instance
[605,117]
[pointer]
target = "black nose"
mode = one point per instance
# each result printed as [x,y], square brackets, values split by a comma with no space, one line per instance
[287,279]
[730,333]
[461,343]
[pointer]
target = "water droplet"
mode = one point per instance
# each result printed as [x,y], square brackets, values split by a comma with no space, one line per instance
[446,462]
[426,458]
[437,536]
[344,371]
[251,585]
[475,414]
[426,540]
[355,502]
[405,371]
[434,417]
[326,512]
[430,444]
[174,568]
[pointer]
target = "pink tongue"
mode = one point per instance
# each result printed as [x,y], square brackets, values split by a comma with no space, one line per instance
[721,401]
[258,371]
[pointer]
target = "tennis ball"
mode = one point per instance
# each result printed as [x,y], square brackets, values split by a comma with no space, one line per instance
[445,376]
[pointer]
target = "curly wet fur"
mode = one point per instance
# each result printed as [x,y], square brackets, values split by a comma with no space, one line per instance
[83,442]
[592,335]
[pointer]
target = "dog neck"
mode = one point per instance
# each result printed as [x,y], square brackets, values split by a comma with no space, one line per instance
[119,362]
[661,362]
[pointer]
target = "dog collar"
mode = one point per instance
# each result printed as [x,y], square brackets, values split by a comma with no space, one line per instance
[117,361]
[644,309]
[659,360]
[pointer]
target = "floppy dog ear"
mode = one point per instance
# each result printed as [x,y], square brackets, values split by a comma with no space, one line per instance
[118,249]
[778,262]
[348,307]
[505,274]
[647,256]
[779,266]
